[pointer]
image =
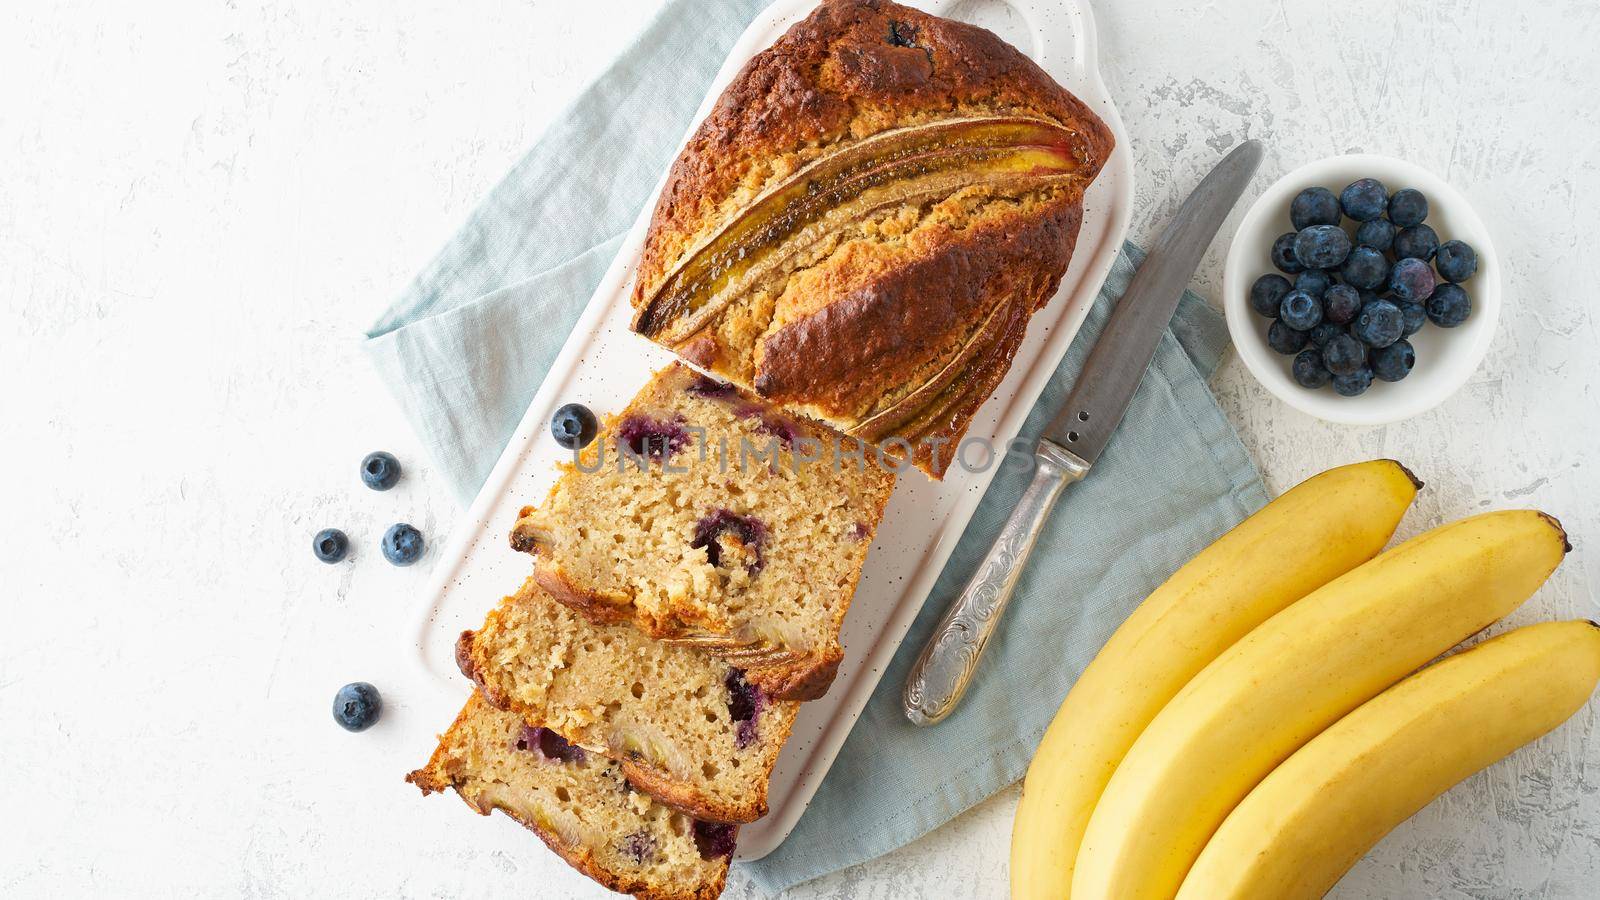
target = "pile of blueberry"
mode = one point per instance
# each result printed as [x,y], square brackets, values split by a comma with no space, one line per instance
[1355,301]
[402,543]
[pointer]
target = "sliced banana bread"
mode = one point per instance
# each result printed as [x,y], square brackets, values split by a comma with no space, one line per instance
[864,223]
[707,519]
[580,804]
[686,727]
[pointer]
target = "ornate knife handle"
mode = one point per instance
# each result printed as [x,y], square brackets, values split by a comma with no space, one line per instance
[941,674]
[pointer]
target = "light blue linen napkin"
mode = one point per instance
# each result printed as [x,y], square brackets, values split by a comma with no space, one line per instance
[465,348]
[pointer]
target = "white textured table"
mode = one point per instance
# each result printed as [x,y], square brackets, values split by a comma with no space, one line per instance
[202,205]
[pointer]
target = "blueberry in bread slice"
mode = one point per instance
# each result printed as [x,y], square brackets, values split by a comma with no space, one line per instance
[579,804]
[709,520]
[685,727]
[865,222]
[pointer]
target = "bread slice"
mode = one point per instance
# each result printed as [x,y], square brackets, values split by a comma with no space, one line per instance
[865,222]
[685,727]
[708,520]
[579,804]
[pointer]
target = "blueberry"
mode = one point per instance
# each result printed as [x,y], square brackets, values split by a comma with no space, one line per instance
[356,707]
[1365,268]
[1377,234]
[1322,246]
[1379,324]
[1394,362]
[1411,280]
[749,531]
[774,426]
[1313,282]
[402,544]
[573,426]
[1344,354]
[743,699]
[1408,207]
[1449,306]
[1322,334]
[1284,339]
[1283,254]
[1456,261]
[1354,384]
[648,438]
[1309,372]
[1301,311]
[548,744]
[330,545]
[714,841]
[1314,206]
[1416,242]
[745,702]
[1364,200]
[380,470]
[1341,304]
[711,389]
[1415,315]
[639,846]
[1267,293]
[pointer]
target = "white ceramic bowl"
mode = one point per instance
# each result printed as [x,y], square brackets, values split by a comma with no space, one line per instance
[1446,357]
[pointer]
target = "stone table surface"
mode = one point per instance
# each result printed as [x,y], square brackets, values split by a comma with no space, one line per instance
[204,204]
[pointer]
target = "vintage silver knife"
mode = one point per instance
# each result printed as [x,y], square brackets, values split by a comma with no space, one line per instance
[1072,442]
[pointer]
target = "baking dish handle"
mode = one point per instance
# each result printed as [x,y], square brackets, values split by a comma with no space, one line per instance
[1082,56]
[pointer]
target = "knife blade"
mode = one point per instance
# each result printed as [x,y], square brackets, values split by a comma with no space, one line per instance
[1075,438]
[1118,359]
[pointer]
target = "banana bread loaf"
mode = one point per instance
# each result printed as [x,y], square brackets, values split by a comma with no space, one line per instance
[709,520]
[863,225]
[579,804]
[685,727]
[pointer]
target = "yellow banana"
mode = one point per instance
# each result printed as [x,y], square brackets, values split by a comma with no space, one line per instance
[1290,678]
[1313,533]
[1308,822]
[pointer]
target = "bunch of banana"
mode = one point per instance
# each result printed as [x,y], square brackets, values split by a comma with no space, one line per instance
[1309,536]
[1233,666]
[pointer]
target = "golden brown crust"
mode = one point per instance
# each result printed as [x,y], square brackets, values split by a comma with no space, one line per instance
[434,777]
[851,69]
[881,330]
[469,667]
[937,315]
[808,679]
[674,793]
